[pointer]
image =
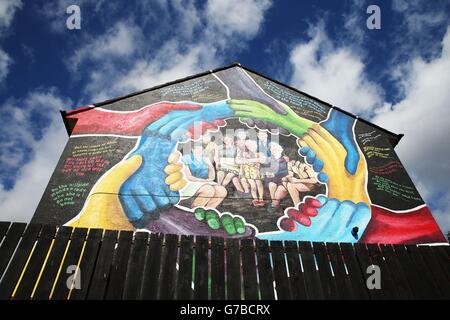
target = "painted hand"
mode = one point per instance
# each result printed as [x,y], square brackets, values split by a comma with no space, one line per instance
[232,225]
[154,186]
[336,156]
[181,124]
[103,207]
[324,219]
[263,114]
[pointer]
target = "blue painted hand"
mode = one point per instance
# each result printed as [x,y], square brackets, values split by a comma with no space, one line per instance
[323,219]
[145,193]
[177,123]
[154,186]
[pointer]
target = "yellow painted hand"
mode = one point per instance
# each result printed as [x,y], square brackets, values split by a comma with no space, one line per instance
[103,208]
[342,185]
[174,169]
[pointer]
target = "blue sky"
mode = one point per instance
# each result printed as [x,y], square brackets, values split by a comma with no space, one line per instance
[397,77]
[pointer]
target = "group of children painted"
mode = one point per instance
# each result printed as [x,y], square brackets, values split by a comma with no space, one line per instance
[252,166]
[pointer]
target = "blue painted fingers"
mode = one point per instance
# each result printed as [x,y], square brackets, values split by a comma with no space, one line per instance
[333,221]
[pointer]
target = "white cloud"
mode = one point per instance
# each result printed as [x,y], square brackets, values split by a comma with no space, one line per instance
[5,62]
[197,40]
[121,40]
[169,64]
[20,202]
[334,73]
[422,115]
[230,17]
[417,24]
[7,11]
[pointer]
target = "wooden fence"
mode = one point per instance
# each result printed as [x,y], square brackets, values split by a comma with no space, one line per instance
[46,262]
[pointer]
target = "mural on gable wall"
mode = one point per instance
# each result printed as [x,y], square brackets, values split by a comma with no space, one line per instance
[236,155]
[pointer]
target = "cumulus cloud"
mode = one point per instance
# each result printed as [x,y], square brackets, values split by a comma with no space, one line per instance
[148,73]
[28,152]
[197,39]
[335,73]
[7,10]
[119,41]
[229,17]
[418,22]
[422,116]
[5,62]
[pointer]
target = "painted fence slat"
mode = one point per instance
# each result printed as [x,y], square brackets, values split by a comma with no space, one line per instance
[26,286]
[249,269]
[70,264]
[326,276]
[365,263]
[133,281]
[355,275]
[419,287]
[116,283]
[399,277]
[217,269]
[152,267]
[265,275]
[443,259]
[343,284]
[87,264]
[201,274]
[233,267]
[296,278]
[312,278]
[9,244]
[424,272]
[97,287]
[49,274]
[4,226]
[184,281]
[436,271]
[388,287]
[18,262]
[280,270]
[167,278]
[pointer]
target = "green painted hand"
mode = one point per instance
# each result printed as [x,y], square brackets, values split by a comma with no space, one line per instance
[232,225]
[249,109]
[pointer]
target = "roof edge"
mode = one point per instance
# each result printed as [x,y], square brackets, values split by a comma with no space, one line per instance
[396,137]
[66,122]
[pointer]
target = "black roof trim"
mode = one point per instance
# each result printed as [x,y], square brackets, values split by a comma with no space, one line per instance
[66,123]
[394,141]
